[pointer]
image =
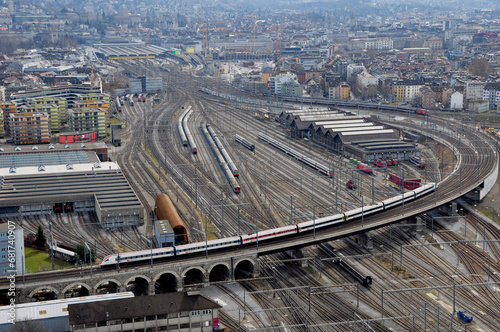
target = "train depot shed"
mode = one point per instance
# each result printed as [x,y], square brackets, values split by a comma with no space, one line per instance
[359,136]
[64,182]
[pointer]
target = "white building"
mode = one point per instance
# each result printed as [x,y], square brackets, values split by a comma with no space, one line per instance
[457,101]
[2,93]
[11,236]
[474,90]
[354,69]
[365,79]
[276,82]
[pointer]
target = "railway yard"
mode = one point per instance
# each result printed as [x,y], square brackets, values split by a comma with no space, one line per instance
[421,275]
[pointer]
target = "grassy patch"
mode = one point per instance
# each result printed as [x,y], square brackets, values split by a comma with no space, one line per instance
[37,261]
[114,120]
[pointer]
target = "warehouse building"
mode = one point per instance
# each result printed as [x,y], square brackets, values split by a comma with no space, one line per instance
[162,312]
[358,136]
[50,315]
[65,182]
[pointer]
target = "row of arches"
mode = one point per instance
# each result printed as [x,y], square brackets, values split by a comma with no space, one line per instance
[140,285]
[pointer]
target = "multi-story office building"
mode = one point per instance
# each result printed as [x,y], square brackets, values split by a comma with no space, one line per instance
[88,119]
[30,128]
[6,245]
[291,89]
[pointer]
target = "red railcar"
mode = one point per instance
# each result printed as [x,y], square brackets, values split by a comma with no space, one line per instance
[409,184]
[365,168]
[423,112]
[380,162]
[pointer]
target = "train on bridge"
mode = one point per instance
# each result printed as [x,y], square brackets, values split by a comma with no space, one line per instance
[266,235]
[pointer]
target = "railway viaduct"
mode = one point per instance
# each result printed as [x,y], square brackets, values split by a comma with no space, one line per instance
[159,278]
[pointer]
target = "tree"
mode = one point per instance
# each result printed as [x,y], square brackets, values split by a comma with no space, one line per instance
[40,238]
[81,251]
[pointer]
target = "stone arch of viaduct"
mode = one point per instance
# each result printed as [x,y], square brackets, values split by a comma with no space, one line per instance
[200,273]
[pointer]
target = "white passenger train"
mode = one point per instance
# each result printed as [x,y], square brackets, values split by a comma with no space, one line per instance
[269,234]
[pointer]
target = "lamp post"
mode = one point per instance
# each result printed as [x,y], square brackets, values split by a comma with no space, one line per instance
[151,244]
[90,259]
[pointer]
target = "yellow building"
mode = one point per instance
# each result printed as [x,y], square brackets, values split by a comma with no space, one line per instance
[344,91]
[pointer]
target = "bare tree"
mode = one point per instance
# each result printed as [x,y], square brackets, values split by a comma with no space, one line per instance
[29,326]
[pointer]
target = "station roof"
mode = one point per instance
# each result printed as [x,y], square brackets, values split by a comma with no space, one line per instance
[107,185]
[44,159]
[129,49]
[327,124]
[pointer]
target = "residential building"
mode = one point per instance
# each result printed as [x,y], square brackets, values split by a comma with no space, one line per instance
[2,93]
[88,119]
[456,101]
[406,91]
[474,90]
[266,73]
[491,93]
[59,102]
[340,90]
[69,92]
[7,110]
[52,110]
[427,98]
[291,89]
[364,79]
[478,106]
[162,312]
[30,128]
[354,69]
[275,82]
[9,241]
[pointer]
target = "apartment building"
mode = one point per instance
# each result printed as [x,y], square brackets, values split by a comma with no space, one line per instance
[474,90]
[406,91]
[7,109]
[58,102]
[88,119]
[30,128]
[340,90]
[491,93]
[52,110]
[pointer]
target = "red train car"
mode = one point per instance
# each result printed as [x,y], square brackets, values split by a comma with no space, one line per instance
[380,163]
[423,112]
[409,184]
[365,168]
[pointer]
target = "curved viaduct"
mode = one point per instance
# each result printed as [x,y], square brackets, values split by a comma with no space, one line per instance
[476,169]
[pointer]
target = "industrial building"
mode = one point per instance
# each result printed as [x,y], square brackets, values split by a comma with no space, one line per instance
[145,84]
[51,315]
[347,134]
[65,181]
[162,312]
[5,243]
